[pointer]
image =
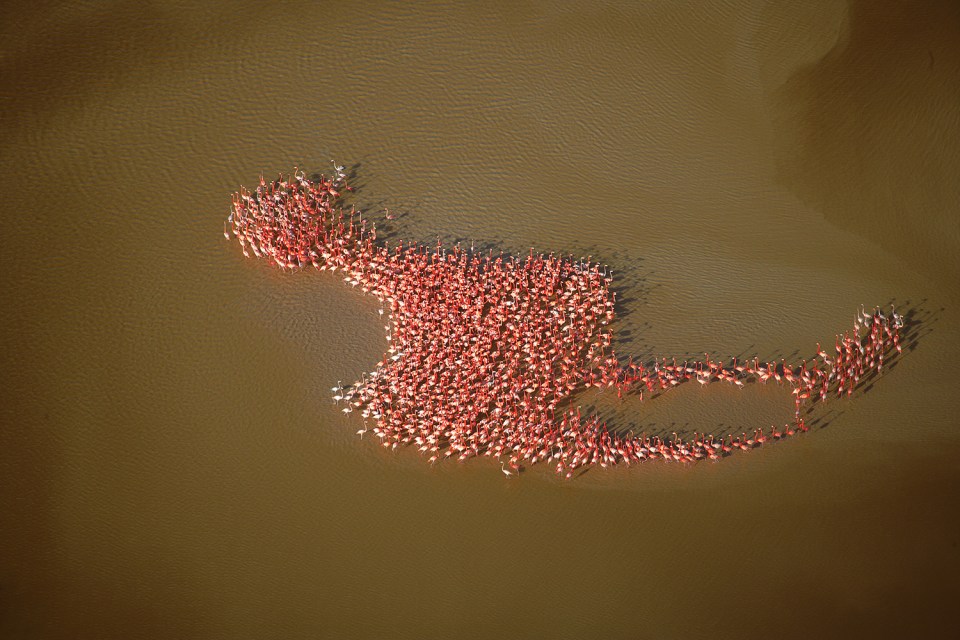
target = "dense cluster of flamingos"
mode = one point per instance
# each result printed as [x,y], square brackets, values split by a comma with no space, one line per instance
[486,351]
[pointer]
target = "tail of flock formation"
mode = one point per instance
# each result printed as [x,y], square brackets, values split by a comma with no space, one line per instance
[486,351]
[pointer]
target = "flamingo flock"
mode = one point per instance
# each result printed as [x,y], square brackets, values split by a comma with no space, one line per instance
[486,351]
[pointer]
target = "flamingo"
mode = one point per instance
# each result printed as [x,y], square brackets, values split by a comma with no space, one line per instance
[534,334]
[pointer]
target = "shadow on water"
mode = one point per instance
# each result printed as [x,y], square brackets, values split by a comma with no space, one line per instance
[918,323]
[631,288]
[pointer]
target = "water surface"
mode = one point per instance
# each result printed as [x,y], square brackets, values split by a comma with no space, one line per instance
[172,465]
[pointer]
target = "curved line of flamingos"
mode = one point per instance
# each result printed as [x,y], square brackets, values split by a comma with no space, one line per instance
[484,349]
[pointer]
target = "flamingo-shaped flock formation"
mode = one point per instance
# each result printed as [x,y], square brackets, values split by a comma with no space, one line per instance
[486,351]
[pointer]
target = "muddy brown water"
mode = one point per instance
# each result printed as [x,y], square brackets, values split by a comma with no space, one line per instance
[172,465]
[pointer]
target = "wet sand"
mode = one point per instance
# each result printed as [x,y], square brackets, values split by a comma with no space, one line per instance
[172,465]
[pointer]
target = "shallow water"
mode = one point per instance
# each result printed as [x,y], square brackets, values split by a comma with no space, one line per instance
[173,466]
